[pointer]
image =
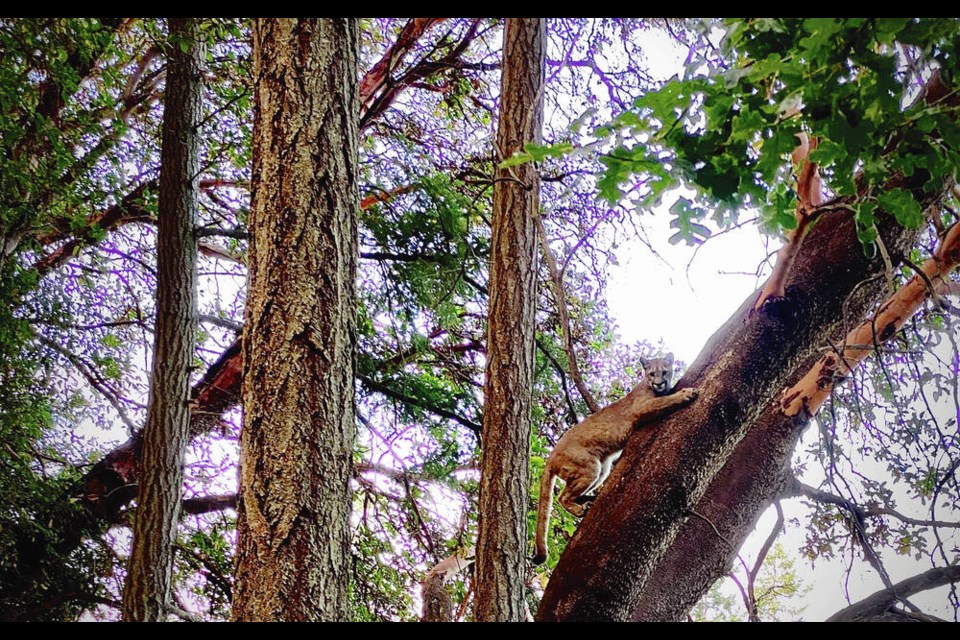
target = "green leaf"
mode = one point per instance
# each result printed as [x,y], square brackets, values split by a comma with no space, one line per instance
[517,159]
[903,206]
[686,214]
[110,340]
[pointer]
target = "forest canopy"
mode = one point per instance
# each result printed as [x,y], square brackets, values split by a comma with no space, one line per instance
[834,142]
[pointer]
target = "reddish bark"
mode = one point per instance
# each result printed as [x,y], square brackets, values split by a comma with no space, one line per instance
[810,197]
[129,209]
[379,73]
[808,395]
[683,500]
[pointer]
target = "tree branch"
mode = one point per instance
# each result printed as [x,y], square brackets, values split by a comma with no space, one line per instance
[559,293]
[379,74]
[882,602]
[208,504]
[129,209]
[808,395]
[752,609]
[377,103]
[810,197]
[396,395]
[798,488]
[94,380]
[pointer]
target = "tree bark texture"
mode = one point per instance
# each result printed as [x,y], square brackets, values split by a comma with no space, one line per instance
[148,582]
[679,505]
[504,475]
[293,546]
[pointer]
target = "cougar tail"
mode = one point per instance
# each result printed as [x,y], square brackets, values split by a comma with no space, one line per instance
[543,513]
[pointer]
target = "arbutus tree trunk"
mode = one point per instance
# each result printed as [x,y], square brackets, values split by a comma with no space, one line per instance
[147,589]
[682,501]
[508,387]
[293,527]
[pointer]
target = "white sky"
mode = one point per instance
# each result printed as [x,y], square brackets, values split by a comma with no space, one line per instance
[661,299]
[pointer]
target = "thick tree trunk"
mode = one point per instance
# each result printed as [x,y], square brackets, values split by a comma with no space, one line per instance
[147,590]
[653,496]
[504,475]
[678,519]
[293,533]
[111,484]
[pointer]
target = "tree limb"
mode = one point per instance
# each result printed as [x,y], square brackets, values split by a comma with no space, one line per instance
[702,458]
[129,209]
[809,394]
[883,601]
[207,504]
[396,395]
[556,278]
[379,74]
[798,488]
[810,197]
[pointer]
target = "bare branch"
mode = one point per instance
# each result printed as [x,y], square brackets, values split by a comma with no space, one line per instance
[236,327]
[207,504]
[556,277]
[396,395]
[797,488]
[753,612]
[94,380]
[882,602]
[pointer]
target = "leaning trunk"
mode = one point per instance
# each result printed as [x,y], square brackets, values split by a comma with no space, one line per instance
[682,503]
[293,534]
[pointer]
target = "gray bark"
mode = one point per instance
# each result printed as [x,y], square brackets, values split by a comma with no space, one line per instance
[293,547]
[147,590]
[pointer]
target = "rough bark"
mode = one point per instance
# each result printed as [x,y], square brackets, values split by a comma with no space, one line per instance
[146,592]
[504,475]
[293,530]
[668,498]
[437,603]
[111,483]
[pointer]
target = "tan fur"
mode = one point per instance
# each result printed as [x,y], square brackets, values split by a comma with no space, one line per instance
[585,454]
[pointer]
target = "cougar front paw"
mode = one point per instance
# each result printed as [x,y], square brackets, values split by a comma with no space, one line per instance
[688,395]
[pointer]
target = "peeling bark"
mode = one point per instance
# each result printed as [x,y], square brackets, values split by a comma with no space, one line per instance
[724,457]
[379,74]
[808,395]
[810,197]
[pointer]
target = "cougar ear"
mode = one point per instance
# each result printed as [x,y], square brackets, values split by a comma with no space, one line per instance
[643,362]
[669,358]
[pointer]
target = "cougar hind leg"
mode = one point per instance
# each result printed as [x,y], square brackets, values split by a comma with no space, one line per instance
[577,486]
